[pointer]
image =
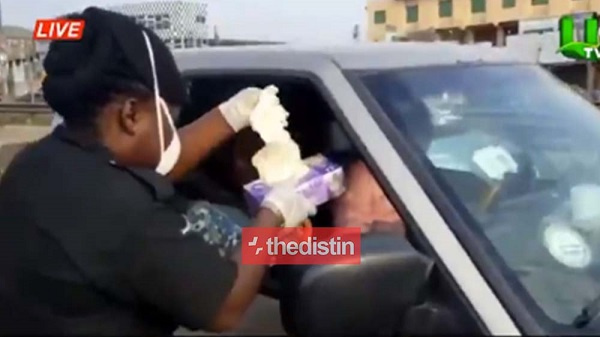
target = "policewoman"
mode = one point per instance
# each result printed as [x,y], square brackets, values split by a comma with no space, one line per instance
[90,241]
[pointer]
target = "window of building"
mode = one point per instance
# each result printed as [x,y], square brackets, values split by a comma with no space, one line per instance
[379,17]
[200,19]
[199,43]
[508,3]
[538,31]
[188,42]
[412,13]
[177,43]
[477,6]
[539,2]
[166,21]
[162,21]
[445,8]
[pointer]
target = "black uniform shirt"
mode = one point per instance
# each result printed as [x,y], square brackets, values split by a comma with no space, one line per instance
[88,247]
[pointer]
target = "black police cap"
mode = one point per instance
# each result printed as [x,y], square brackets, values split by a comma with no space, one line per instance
[112,50]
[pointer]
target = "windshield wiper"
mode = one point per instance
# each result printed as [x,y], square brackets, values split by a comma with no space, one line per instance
[588,314]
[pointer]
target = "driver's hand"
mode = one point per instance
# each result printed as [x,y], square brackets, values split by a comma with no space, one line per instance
[396,227]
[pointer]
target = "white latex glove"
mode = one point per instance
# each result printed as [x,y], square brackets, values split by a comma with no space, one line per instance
[269,118]
[238,108]
[292,206]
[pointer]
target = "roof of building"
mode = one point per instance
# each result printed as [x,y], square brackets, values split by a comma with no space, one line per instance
[16,32]
[235,42]
[351,56]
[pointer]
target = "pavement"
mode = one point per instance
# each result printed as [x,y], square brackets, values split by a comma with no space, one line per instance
[15,137]
[10,134]
[262,317]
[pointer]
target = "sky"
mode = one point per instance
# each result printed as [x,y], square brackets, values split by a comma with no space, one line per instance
[301,21]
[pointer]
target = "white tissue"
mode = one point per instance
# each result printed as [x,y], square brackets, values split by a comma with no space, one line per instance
[269,118]
[280,159]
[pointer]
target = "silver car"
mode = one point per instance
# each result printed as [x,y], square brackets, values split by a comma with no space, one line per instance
[493,163]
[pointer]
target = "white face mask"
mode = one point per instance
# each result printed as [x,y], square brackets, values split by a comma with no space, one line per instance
[170,155]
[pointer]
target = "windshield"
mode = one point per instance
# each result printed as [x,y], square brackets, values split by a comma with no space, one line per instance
[521,152]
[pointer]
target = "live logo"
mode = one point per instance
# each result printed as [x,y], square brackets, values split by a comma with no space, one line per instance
[58,29]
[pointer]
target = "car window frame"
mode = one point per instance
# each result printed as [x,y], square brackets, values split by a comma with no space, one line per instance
[332,99]
[532,322]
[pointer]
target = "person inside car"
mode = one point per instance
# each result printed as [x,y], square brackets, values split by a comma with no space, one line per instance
[364,204]
[93,243]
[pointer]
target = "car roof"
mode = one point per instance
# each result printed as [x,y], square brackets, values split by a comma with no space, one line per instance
[352,56]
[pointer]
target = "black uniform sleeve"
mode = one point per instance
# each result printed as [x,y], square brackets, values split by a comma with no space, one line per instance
[178,263]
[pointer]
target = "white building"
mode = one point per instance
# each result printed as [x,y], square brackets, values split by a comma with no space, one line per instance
[538,40]
[181,24]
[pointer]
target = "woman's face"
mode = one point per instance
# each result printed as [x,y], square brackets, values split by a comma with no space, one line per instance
[139,142]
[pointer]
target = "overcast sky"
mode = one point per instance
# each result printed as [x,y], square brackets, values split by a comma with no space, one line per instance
[281,20]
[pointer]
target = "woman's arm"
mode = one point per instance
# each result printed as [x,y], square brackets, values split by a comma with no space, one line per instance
[247,284]
[203,135]
[198,139]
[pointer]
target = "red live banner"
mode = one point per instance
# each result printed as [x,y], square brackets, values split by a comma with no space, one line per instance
[58,29]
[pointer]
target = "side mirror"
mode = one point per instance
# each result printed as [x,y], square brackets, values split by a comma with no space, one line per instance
[365,299]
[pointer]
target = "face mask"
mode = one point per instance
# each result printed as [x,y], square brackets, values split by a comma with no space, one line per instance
[170,155]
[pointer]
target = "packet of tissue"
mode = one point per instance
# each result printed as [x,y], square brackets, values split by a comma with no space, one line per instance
[323,182]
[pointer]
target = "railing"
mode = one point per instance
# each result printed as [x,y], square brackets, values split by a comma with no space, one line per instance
[25,108]
[25,113]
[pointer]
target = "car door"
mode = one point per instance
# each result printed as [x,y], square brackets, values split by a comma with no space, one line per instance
[458,283]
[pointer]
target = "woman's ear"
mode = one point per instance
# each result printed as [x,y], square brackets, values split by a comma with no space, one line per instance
[129,116]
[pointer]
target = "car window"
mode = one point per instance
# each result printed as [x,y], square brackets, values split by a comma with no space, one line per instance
[534,146]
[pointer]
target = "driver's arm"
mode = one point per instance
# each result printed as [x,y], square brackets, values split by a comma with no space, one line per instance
[354,208]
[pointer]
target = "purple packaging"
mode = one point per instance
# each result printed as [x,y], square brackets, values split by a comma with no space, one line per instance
[323,182]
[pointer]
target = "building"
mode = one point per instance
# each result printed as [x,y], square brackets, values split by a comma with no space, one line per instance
[466,21]
[20,67]
[181,24]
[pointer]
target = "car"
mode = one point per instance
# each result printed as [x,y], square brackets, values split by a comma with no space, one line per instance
[493,163]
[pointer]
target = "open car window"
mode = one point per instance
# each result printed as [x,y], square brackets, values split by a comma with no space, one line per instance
[520,152]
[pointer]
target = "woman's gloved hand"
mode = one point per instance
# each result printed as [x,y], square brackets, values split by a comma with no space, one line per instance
[292,206]
[238,108]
